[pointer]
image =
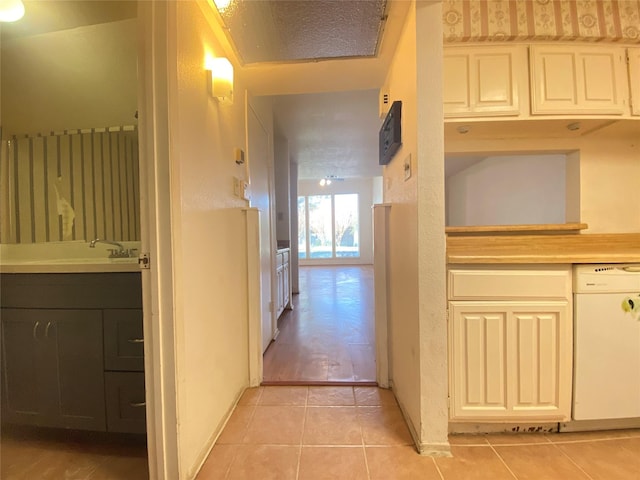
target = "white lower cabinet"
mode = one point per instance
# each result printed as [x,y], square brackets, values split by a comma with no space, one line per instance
[510,357]
[283,284]
[510,360]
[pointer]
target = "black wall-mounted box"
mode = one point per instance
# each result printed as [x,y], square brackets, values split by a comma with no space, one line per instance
[390,136]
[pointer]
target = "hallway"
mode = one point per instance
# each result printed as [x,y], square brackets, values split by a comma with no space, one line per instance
[328,338]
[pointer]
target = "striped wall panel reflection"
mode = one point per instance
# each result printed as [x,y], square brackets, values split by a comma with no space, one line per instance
[94,172]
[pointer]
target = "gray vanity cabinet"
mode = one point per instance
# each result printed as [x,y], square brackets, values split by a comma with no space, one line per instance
[53,365]
[73,351]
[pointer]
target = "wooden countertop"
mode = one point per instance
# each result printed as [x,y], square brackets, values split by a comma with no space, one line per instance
[544,248]
[531,229]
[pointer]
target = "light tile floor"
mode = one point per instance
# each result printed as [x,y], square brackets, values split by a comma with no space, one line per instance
[353,433]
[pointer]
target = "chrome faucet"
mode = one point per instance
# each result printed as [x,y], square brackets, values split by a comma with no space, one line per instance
[93,242]
[120,252]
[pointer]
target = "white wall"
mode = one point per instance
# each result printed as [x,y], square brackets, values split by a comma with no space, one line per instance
[511,189]
[209,240]
[603,172]
[378,190]
[364,188]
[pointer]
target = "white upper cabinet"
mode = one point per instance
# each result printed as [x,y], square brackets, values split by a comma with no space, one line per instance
[569,79]
[633,57]
[484,81]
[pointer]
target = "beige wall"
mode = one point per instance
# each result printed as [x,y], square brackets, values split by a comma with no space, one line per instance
[416,279]
[404,339]
[431,236]
[209,240]
[78,78]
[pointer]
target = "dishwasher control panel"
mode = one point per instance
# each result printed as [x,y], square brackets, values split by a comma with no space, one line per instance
[606,278]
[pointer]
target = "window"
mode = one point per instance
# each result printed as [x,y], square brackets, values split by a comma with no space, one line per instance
[328,226]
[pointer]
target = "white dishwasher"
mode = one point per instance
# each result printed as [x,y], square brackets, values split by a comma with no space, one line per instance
[607,342]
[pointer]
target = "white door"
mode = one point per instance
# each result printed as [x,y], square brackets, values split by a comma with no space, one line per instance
[258,149]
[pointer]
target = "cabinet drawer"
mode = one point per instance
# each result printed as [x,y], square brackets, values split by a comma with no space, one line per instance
[509,284]
[71,290]
[123,340]
[126,403]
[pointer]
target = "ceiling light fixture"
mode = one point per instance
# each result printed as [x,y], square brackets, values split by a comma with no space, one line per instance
[11,10]
[220,78]
[222,5]
[325,181]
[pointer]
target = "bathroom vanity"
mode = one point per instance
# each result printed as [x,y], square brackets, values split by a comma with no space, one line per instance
[73,345]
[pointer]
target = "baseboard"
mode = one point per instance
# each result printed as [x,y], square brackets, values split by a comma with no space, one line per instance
[213,438]
[513,427]
[318,383]
[425,449]
[594,425]
[435,450]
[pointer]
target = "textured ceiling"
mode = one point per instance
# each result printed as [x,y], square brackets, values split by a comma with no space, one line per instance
[286,31]
[331,133]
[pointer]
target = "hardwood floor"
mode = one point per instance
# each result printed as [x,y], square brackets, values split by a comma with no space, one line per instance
[328,338]
[48,454]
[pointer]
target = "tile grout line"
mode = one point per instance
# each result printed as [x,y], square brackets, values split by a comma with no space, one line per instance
[364,447]
[572,461]
[433,459]
[246,430]
[304,424]
[503,461]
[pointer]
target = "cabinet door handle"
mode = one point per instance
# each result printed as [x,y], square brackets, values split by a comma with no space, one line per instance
[46,330]
[136,340]
[35,329]
[141,404]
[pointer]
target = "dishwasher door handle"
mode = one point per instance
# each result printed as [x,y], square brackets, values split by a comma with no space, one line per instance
[632,268]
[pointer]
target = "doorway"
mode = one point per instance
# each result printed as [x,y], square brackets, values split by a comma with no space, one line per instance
[328,338]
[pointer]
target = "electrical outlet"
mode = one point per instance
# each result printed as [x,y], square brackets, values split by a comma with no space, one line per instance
[407,167]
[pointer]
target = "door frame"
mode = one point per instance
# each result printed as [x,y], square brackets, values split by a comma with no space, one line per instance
[156,49]
[255,321]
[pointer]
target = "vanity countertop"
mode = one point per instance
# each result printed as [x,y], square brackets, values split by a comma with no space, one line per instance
[71,265]
[64,257]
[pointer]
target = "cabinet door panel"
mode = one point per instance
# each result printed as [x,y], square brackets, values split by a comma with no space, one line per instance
[483,81]
[495,82]
[78,338]
[510,360]
[457,83]
[558,79]
[479,361]
[22,356]
[537,361]
[577,80]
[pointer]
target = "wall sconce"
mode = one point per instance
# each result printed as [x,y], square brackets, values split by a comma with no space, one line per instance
[220,77]
[11,10]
